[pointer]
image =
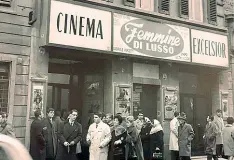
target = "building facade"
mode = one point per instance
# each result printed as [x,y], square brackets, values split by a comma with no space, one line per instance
[117,56]
[15,49]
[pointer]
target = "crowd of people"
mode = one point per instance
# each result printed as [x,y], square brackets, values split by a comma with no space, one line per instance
[59,137]
[218,138]
[109,137]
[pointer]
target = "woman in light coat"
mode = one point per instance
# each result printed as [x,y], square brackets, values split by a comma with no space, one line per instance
[173,143]
[228,139]
[98,137]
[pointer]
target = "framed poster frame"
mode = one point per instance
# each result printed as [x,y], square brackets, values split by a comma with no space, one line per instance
[38,95]
[170,102]
[123,100]
[224,104]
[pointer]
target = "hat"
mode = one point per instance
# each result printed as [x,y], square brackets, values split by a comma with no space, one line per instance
[182,116]
[130,119]
[147,120]
[156,122]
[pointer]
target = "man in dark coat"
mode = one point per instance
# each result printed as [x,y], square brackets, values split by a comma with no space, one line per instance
[49,134]
[210,138]
[37,140]
[69,134]
[185,136]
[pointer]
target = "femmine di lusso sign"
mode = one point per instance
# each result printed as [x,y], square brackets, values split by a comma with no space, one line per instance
[151,39]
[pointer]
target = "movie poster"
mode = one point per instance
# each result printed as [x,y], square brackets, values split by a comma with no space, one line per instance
[170,103]
[37,98]
[123,100]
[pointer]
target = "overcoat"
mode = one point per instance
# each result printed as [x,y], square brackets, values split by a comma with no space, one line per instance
[68,133]
[118,152]
[156,141]
[37,141]
[7,129]
[185,136]
[138,123]
[220,126]
[145,139]
[210,138]
[50,137]
[99,138]
[228,140]
[173,143]
[135,138]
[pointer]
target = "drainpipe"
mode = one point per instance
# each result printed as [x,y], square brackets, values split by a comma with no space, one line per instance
[230,23]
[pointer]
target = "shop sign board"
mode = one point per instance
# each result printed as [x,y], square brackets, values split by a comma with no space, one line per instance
[142,37]
[209,48]
[79,26]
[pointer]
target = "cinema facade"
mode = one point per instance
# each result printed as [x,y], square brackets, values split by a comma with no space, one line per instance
[118,62]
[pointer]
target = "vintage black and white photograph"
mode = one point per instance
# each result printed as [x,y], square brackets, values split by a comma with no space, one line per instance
[116,79]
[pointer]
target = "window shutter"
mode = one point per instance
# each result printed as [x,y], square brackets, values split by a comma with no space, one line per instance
[184,8]
[212,12]
[164,6]
[5,3]
[196,10]
[130,3]
[147,5]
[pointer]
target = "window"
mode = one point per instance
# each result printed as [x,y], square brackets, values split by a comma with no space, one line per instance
[212,12]
[147,5]
[196,10]
[5,3]
[8,6]
[4,87]
[164,6]
[184,8]
[130,3]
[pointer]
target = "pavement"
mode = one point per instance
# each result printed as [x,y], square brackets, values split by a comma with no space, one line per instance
[204,158]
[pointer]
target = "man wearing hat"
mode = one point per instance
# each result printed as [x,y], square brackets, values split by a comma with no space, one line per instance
[185,136]
[139,122]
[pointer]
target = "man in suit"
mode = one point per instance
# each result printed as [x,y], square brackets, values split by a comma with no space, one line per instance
[49,134]
[5,127]
[37,140]
[69,134]
[185,136]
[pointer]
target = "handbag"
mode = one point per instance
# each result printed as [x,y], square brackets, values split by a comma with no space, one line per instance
[157,154]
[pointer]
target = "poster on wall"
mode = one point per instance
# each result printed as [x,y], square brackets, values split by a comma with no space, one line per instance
[224,103]
[170,103]
[225,108]
[123,100]
[37,96]
[151,39]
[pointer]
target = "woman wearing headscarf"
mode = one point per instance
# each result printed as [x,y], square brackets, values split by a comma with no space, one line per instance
[156,138]
[135,139]
[145,137]
[118,141]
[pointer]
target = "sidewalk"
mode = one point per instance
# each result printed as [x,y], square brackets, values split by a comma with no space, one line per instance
[204,158]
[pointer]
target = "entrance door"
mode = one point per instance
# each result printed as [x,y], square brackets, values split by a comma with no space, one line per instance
[197,109]
[145,100]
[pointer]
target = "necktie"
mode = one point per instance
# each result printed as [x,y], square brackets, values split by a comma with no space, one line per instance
[96,125]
